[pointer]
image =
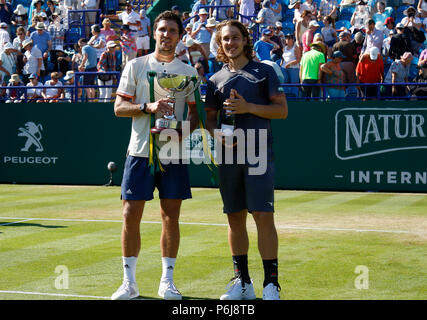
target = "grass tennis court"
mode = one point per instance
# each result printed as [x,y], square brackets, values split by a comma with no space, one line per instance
[323,238]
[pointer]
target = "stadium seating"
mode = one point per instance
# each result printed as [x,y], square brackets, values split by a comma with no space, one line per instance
[342,24]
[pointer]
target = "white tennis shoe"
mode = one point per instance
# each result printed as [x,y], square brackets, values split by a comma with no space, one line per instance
[128,290]
[271,292]
[238,291]
[168,291]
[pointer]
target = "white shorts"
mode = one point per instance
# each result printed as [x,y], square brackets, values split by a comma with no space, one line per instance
[143,43]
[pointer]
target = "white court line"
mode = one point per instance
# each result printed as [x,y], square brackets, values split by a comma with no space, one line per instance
[9,223]
[221,225]
[54,294]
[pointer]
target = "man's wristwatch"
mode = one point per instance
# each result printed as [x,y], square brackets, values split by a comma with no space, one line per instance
[143,108]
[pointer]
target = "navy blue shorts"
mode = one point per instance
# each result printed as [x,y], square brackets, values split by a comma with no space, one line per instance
[240,190]
[139,184]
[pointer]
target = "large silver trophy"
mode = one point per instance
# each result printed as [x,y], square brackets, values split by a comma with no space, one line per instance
[177,86]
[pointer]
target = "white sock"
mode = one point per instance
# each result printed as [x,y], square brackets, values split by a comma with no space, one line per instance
[129,269]
[168,264]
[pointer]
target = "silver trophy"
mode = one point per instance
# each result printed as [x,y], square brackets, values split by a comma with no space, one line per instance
[176,85]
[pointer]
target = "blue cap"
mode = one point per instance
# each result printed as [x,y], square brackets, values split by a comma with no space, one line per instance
[266,31]
[33,76]
[175,7]
[338,54]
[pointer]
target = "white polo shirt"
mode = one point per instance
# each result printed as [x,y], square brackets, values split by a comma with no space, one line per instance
[134,84]
[131,17]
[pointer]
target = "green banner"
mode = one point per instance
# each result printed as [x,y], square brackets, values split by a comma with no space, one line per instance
[370,146]
[61,143]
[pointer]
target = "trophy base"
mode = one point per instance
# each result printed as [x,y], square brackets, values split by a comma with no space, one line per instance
[162,124]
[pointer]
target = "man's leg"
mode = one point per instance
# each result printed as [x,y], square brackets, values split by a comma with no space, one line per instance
[169,244]
[242,288]
[131,237]
[131,244]
[169,239]
[268,249]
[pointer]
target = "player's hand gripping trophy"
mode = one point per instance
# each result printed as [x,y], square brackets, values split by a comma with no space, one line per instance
[177,86]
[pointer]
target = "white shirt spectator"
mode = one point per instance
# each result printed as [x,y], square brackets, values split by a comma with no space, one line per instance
[4,38]
[32,60]
[51,92]
[36,90]
[131,17]
[410,24]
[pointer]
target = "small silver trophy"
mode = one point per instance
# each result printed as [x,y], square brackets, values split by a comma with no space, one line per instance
[175,85]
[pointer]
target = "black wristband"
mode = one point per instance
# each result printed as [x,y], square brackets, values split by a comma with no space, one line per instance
[143,108]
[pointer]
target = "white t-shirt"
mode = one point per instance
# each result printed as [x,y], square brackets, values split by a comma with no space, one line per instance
[416,20]
[50,92]
[131,17]
[32,60]
[38,88]
[134,84]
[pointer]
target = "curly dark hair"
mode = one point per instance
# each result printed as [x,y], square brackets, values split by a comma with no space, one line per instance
[169,15]
[248,49]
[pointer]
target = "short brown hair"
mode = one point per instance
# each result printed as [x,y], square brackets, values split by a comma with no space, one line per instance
[169,15]
[248,49]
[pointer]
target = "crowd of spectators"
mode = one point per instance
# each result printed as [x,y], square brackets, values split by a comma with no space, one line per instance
[37,49]
[309,42]
[323,42]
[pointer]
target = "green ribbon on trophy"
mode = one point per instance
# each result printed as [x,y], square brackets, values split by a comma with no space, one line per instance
[173,84]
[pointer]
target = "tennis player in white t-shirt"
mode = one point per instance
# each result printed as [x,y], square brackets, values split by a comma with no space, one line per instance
[133,100]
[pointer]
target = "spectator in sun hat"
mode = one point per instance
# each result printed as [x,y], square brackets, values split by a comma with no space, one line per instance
[7,62]
[19,18]
[37,7]
[42,39]
[34,90]
[13,94]
[410,19]
[200,33]
[68,93]
[296,4]
[33,60]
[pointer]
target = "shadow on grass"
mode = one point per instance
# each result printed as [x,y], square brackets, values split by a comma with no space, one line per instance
[24,224]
